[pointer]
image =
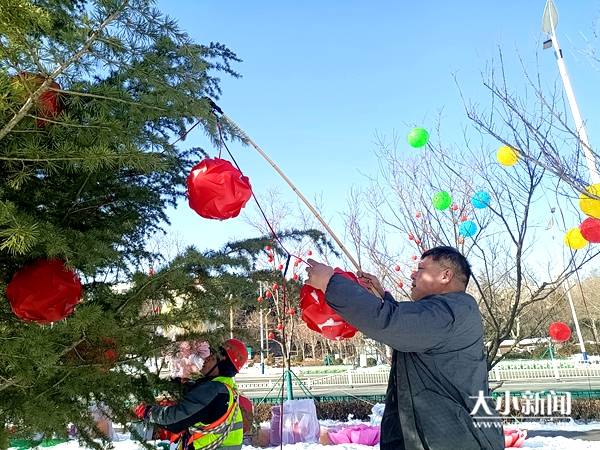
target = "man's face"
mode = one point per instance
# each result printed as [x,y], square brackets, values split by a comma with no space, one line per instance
[430,278]
[209,366]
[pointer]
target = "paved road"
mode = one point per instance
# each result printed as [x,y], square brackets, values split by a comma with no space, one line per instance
[592,435]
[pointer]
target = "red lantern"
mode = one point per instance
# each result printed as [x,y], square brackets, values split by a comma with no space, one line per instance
[559,331]
[590,229]
[320,317]
[48,105]
[44,292]
[217,190]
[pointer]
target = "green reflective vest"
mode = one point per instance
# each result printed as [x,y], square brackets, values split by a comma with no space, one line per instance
[226,433]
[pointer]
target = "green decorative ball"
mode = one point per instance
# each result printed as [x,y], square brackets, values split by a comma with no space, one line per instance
[418,137]
[441,200]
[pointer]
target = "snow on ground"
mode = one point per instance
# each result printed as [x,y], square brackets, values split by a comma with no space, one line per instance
[540,443]
[123,441]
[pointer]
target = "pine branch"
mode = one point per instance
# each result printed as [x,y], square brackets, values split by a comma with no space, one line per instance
[60,69]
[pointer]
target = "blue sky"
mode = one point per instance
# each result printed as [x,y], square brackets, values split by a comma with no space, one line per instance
[320,79]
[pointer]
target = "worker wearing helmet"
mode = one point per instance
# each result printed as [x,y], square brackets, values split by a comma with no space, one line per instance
[208,416]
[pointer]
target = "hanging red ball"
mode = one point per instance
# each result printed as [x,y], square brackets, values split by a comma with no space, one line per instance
[217,190]
[271,335]
[267,248]
[309,253]
[411,237]
[296,263]
[270,258]
[559,331]
[418,215]
[44,292]
[400,284]
[320,317]
[291,311]
[280,326]
[417,241]
[590,229]
[275,286]
[280,267]
[397,268]
[463,218]
[259,299]
[48,104]
[268,294]
[454,207]
[414,257]
[296,276]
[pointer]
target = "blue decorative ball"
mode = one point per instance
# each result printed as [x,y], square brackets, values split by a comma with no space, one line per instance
[468,228]
[481,199]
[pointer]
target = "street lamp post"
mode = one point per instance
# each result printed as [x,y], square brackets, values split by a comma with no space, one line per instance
[549,23]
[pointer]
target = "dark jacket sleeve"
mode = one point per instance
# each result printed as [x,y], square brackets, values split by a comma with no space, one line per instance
[404,326]
[205,400]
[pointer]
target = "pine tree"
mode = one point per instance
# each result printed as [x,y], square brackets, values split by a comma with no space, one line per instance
[93,96]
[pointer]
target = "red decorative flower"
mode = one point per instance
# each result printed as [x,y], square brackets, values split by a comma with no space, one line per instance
[217,190]
[320,317]
[44,292]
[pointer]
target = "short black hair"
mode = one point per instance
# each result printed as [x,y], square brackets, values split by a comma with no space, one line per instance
[454,258]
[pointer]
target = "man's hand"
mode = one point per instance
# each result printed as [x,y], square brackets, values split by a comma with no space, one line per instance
[318,274]
[371,282]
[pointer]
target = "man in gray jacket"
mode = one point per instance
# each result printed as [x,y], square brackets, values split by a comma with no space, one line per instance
[438,386]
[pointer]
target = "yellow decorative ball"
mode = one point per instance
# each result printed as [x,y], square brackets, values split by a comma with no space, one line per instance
[590,206]
[507,156]
[574,239]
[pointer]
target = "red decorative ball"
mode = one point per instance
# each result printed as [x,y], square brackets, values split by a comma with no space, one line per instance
[280,326]
[590,229]
[217,190]
[44,292]
[463,218]
[400,284]
[559,331]
[296,276]
[48,104]
[309,253]
[411,237]
[280,267]
[270,258]
[275,286]
[397,268]
[454,207]
[414,257]
[271,335]
[259,299]
[418,215]
[268,294]
[320,317]
[267,248]
[291,311]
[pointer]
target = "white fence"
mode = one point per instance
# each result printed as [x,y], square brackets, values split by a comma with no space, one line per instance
[517,370]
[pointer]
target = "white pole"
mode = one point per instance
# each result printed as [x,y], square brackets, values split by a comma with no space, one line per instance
[577,329]
[579,125]
[567,288]
[262,340]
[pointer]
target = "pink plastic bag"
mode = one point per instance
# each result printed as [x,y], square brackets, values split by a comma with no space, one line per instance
[514,437]
[300,423]
[359,434]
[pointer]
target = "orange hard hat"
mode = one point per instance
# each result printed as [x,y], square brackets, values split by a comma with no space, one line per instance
[237,352]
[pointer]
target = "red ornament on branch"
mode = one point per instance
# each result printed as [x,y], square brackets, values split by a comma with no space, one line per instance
[217,190]
[320,317]
[559,331]
[44,292]
[271,335]
[590,229]
[48,104]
